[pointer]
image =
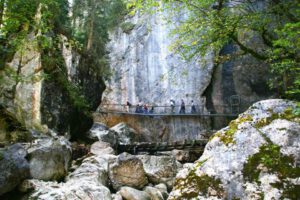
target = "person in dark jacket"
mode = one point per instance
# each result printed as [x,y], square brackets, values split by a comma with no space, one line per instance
[182,107]
[193,108]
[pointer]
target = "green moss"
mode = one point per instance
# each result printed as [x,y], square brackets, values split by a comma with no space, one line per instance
[228,136]
[194,185]
[270,158]
[289,114]
[127,27]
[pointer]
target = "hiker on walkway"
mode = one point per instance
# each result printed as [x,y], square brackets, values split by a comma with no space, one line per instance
[139,108]
[182,107]
[151,110]
[193,108]
[128,106]
[145,109]
[172,102]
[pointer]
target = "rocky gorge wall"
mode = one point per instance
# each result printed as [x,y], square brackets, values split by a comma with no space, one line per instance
[145,70]
[42,102]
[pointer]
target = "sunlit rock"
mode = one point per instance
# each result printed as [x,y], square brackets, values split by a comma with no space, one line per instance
[256,155]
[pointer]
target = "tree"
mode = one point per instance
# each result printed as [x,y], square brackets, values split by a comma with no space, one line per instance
[210,24]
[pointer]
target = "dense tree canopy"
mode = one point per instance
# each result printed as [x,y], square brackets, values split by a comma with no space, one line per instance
[210,24]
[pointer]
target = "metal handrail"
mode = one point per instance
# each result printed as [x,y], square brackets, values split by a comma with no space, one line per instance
[163,109]
[163,106]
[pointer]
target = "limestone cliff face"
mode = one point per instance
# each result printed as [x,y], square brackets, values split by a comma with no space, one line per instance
[145,70]
[41,102]
[21,97]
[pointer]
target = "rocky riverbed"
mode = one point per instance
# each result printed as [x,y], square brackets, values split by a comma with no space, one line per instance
[255,157]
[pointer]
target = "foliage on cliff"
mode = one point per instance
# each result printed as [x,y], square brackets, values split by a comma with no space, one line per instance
[84,23]
[211,24]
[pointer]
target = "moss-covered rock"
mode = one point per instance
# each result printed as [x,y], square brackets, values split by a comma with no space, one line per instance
[227,136]
[256,157]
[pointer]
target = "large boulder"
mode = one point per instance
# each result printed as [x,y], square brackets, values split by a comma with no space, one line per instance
[125,134]
[127,170]
[93,169]
[49,158]
[160,169]
[13,167]
[129,193]
[257,156]
[89,181]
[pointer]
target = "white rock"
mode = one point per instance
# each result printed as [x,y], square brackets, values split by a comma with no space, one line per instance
[229,150]
[101,148]
[129,193]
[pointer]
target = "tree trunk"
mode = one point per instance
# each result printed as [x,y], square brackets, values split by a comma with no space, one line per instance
[91,25]
[2,3]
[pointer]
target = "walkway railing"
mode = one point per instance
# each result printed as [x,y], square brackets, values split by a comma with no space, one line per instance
[228,110]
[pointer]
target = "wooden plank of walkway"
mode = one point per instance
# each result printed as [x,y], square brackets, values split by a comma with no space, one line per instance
[170,114]
[162,146]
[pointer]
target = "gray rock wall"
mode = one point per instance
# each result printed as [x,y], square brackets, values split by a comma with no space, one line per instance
[145,70]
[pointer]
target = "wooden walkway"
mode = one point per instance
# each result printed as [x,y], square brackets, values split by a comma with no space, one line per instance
[152,148]
[169,114]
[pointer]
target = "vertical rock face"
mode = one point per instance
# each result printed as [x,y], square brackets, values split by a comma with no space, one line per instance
[22,96]
[40,103]
[145,70]
[236,84]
